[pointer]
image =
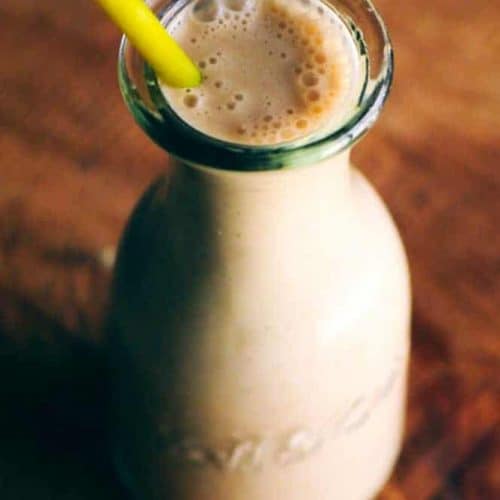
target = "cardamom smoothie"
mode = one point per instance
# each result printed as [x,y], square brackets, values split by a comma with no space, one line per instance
[261,302]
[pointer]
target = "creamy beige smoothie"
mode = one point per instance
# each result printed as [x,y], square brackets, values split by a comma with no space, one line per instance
[263,336]
[274,70]
[261,319]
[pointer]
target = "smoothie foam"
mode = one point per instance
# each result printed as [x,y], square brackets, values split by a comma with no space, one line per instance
[274,70]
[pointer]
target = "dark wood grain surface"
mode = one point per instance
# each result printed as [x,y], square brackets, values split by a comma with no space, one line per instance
[72,164]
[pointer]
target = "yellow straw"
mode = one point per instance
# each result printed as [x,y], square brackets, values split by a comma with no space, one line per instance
[152,40]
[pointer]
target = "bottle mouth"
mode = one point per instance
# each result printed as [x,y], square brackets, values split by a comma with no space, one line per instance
[146,101]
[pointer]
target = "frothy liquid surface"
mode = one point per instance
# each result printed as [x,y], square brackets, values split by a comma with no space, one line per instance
[274,70]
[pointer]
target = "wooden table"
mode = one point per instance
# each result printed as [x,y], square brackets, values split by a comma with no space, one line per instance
[72,164]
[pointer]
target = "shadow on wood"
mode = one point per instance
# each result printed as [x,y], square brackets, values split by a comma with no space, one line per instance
[52,413]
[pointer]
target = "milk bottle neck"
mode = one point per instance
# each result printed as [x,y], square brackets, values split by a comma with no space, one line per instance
[302,207]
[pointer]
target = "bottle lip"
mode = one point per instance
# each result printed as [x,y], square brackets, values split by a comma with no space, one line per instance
[145,100]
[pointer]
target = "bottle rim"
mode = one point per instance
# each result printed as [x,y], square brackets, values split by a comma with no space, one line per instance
[145,100]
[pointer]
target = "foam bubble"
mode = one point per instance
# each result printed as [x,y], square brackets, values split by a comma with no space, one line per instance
[313,95]
[310,79]
[205,11]
[301,124]
[320,58]
[191,101]
[236,5]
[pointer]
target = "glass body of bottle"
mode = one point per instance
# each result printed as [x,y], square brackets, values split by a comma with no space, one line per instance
[259,322]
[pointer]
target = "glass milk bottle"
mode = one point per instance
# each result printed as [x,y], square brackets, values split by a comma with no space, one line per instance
[259,322]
